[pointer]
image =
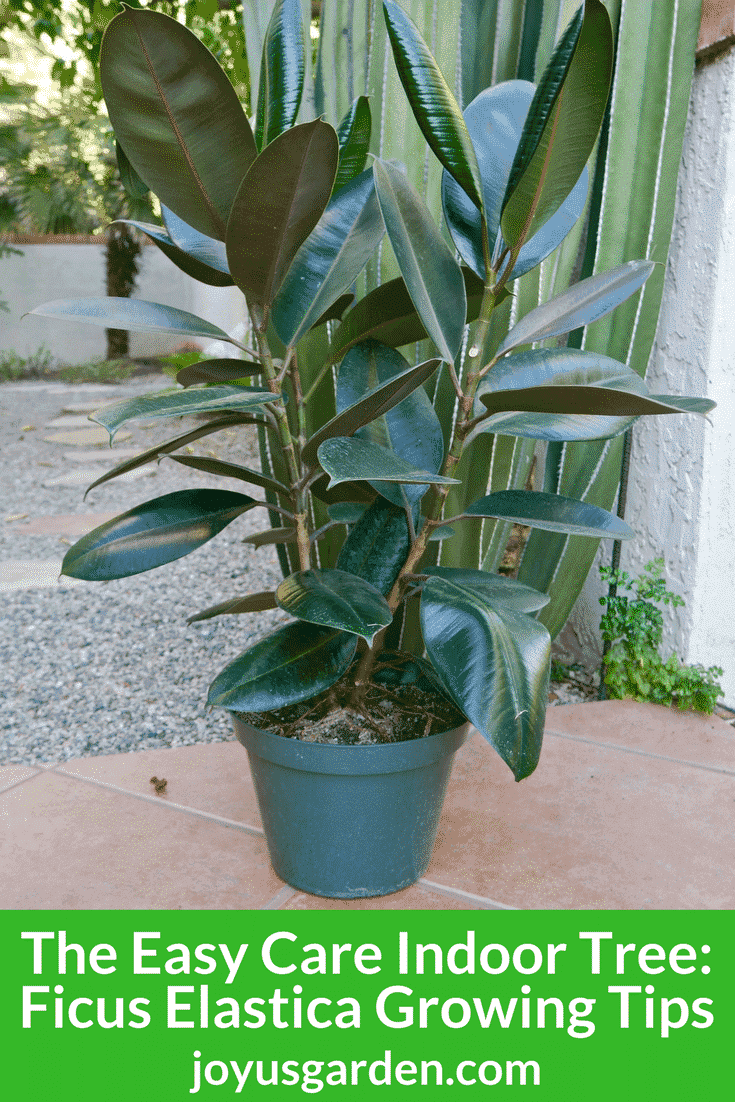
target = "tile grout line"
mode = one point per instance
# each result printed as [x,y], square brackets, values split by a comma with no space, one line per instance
[282,896]
[14,784]
[641,753]
[158,802]
[458,893]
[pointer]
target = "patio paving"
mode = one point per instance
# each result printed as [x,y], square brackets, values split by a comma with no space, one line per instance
[631,808]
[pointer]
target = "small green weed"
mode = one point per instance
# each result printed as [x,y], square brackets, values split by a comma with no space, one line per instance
[14,367]
[633,626]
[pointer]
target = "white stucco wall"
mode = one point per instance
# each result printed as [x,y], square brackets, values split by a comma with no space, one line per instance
[46,272]
[681,492]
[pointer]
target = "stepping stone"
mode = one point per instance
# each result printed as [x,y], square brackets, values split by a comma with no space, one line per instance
[20,574]
[83,475]
[111,456]
[82,437]
[70,422]
[73,524]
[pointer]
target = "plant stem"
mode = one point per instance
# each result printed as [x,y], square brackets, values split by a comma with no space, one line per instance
[288,445]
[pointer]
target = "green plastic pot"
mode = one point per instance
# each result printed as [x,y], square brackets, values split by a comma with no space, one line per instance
[347,822]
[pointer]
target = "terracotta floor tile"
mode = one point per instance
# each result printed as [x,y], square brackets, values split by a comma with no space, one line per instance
[70,845]
[415,898]
[11,775]
[213,777]
[686,736]
[592,828]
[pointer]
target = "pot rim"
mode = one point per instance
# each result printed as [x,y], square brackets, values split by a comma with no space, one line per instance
[321,757]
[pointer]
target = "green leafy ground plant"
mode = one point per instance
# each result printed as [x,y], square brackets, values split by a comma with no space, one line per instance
[632,627]
[359,475]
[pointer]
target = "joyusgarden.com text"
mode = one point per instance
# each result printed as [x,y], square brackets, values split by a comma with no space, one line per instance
[401,991]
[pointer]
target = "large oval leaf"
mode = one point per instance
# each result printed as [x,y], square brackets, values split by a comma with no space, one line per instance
[217,371]
[281,72]
[208,250]
[168,446]
[582,304]
[387,314]
[551,512]
[256,602]
[131,313]
[277,206]
[432,276]
[330,260]
[562,126]
[348,459]
[178,403]
[494,663]
[377,546]
[189,264]
[435,108]
[377,401]
[292,664]
[354,141]
[176,115]
[493,588]
[336,599]
[495,121]
[154,533]
[231,470]
[553,426]
[411,428]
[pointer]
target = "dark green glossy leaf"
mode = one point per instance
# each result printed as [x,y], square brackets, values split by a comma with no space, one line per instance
[277,206]
[494,663]
[197,245]
[374,404]
[170,445]
[193,267]
[431,274]
[129,178]
[231,470]
[281,72]
[131,313]
[346,459]
[444,533]
[346,512]
[551,512]
[345,491]
[273,535]
[493,588]
[217,371]
[294,663]
[354,140]
[336,310]
[256,602]
[154,533]
[377,546]
[563,123]
[607,401]
[554,426]
[336,599]
[495,121]
[545,370]
[681,404]
[411,428]
[434,106]
[178,403]
[330,260]
[582,304]
[387,314]
[176,115]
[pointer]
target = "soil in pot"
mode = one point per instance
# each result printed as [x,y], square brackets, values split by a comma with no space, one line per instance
[403,701]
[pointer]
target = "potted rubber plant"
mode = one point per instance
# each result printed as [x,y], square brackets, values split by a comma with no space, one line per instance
[352,710]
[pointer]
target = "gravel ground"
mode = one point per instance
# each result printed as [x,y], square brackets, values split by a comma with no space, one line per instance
[100,668]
